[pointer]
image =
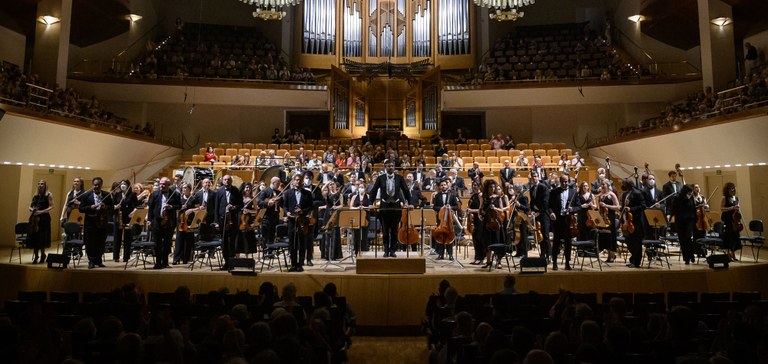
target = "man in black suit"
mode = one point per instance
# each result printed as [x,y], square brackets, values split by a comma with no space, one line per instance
[391,189]
[541,210]
[297,204]
[96,205]
[653,199]
[506,175]
[671,188]
[418,174]
[229,201]
[633,200]
[269,203]
[430,183]
[439,172]
[317,201]
[205,199]
[475,174]
[601,175]
[161,216]
[417,199]
[439,199]
[456,182]
[560,199]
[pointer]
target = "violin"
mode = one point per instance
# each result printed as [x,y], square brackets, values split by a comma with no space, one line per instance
[34,222]
[738,225]
[246,219]
[492,220]
[407,234]
[626,218]
[538,235]
[444,233]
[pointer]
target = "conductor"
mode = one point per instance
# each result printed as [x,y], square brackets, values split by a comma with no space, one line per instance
[393,193]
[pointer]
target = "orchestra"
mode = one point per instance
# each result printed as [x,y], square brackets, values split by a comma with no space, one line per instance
[545,215]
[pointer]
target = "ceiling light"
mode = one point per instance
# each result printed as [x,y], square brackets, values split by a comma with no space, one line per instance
[636,18]
[133,17]
[48,19]
[721,21]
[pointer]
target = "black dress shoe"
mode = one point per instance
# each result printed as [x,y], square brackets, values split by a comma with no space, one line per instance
[34,261]
[101,265]
[309,263]
[439,257]
[293,269]
[392,255]
[42,258]
[224,268]
[157,266]
[299,269]
[176,263]
[554,266]
[567,266]
[91,265]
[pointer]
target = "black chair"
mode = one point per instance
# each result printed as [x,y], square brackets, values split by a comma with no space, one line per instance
[586,249]
[21,230]
[505,251]
[71,297]
[73,245]
[676,298]
[655,249]
[141,249]
[32,296]
[204,250]
[746,296]
[754,241]
[707,297]
[713,241]
[277,249]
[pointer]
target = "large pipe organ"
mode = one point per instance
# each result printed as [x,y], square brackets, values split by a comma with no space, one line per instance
[398,31]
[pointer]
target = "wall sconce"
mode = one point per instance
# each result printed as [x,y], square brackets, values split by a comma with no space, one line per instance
[133,17]
[636,18]
[48,19]
[721,21]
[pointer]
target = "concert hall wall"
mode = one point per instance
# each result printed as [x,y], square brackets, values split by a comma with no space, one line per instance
[13,45]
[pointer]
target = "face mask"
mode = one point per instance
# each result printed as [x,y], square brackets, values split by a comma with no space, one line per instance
[602,175]
[651,182]
[123,187]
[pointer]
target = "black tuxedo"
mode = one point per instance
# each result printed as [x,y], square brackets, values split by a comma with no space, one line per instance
[459,186]
[390,200]
[669,189]
[652,196]
[418,176]
[271,214]
[201,198]
[417,199]
[440,199]
[96,227]
[540,204]
[563,211]
[506,175]
[474,174]
[297,239]
[229,233]
[163,234]
[127,202]
[429,184]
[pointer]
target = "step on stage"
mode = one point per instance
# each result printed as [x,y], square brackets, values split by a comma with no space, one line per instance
[392,300]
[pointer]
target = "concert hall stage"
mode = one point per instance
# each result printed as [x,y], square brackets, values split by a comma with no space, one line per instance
[393,301]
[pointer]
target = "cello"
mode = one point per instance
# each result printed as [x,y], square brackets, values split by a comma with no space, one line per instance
[406,233]
[702,222]
[444,233]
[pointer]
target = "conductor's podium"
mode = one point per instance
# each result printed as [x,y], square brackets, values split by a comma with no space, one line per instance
[413,264]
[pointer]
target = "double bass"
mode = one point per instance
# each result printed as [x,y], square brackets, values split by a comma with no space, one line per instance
[444,233]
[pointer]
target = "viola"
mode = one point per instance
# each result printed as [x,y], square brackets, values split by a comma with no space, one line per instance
[492,220]
[34,223]
[407,234]
[738,225]
[702,223]
[628,225]
[539,236]
[246,219]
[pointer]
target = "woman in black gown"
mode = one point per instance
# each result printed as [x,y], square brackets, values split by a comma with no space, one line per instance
[609,204]
[728,207]
[39,237]
[586,201]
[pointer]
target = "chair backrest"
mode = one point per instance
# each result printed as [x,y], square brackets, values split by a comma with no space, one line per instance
[756,226]
[22,228]
[71,228]
[717,227]
[281,230]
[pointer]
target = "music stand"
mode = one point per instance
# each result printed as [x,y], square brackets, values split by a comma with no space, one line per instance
[603,227]
[426,218]
[656,219]
[351,220]
[455,241]
[330,241]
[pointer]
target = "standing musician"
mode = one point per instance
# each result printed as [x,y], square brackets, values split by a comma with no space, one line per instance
[473,209]
[359,200]
[333,201]
[541,211]
[491,213]
[161,217]
[39,236]
[72,199]
[229,201]
[440,199]
[684,211]
[390,187]
[560,214]
[205,199]
[506,174]
[417,199]
[297,203]
[633,202]
[520,208]
[317,201]
[185,240]
[125,202]
[609,204]
[671,188]
[96,209]
[701,202]
[652,197]
[729,206]
[598,182]
[246,239]
[268,200]
[585,200]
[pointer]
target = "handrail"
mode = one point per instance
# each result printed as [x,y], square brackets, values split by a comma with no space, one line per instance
[119,54]
[625,36]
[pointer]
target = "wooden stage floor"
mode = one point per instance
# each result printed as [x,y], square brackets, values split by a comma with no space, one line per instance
[394,300]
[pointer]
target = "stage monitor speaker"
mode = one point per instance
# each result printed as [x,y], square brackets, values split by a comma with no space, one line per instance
[57,261]
[242,266]
[718,261]
[534,265]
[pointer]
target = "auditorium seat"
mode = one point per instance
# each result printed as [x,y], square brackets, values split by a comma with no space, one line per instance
[226,159]
[198,158]
[272,146]
[248,145]
[559,146]
[540,152]
[223,145]
[492,160]
[461,147]
[567,151]
[465,153]
[467,161]
[231,152]
[236,145]
[473,146]
[534,146]
[243,151]
[528,152]
[521,146]
[553,152]
[201,151]
[489,153]
[471,141]
[477,153]
[502,153]
[546,145]
[430,161]
[218,151]
[261,146]
[485,147]
[480,160]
